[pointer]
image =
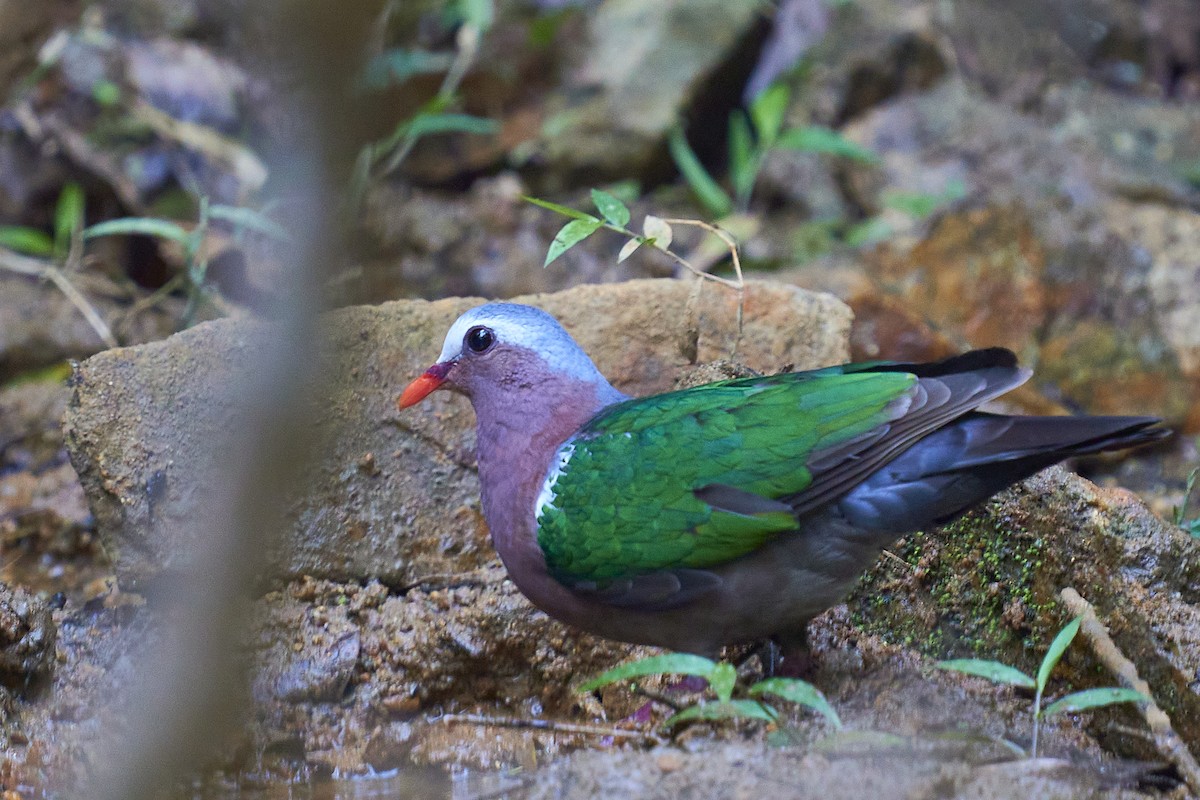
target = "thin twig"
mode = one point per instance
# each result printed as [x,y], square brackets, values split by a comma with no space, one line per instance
[23,265]
[889,554]
[239,159]
[739,284]
[148,302]
[82,152]
[446,580]
[549,725]
[1165,737]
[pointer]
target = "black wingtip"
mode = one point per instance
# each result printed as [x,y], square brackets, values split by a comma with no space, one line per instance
[1130,432]
[970,361]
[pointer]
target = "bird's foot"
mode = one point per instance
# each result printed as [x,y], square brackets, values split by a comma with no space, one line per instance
[788,657]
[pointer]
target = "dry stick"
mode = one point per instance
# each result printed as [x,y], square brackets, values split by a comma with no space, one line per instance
[1165,737]
[239,159]
[446,580]
[22,265]
[82,152]
[548,725]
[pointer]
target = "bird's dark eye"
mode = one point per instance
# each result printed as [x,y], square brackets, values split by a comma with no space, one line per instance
[479,339]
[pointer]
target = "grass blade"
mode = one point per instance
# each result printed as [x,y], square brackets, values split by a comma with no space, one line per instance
[249,219]
[994,671]
[68,218]
[733,709]
[28,241]
[1094,698]
[671,664]
[144,226]
[426,124]
[798,691]
[743,158]
[767,110]
[714,199]
[1059,646]
[818,139]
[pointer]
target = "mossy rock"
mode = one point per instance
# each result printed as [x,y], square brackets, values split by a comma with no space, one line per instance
[987,585]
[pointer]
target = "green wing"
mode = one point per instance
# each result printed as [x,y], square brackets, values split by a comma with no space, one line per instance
[694,479]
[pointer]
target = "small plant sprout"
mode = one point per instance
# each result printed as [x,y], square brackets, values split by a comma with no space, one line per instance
[394,66]
[190,240]
[752,135]
[32,251]
[656,233]
[68,222]
[1179,513]
[722,680]
[1078,701]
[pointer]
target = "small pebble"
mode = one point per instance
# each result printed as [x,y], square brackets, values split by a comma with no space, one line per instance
[669,761]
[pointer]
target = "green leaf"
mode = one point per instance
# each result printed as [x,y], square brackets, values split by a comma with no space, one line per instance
[570,235]
[869,231]
[566,211]
[919,205]
[798,691]
[668,664]
[626,191]
[657,231]
[1059,646]
[611,208]
[399,64]
[68,218]
[734,709]
[743,157]
[722,679]
[768,110]
[1179,512]
[819,139]
[249,219]
[426,124]
[145,226]
[629,248]
[106,93]
[1094,698]
[994,671]
[30,241]
[714,199]
[865,742]
[477,13]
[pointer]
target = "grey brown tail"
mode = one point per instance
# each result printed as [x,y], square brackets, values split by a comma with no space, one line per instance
[963,463]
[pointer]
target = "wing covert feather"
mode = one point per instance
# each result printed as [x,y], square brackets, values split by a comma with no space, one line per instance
[628,499]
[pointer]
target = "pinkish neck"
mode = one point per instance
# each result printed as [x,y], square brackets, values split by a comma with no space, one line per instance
[515,443]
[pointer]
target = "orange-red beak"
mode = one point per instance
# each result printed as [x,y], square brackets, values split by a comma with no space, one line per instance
[429,381]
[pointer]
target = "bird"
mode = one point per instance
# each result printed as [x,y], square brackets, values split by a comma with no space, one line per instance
[732,512]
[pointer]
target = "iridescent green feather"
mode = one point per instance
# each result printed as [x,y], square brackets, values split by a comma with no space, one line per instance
[624,504]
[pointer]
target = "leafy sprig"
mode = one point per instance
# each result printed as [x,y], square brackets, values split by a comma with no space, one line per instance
[722,681]
[998,672]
